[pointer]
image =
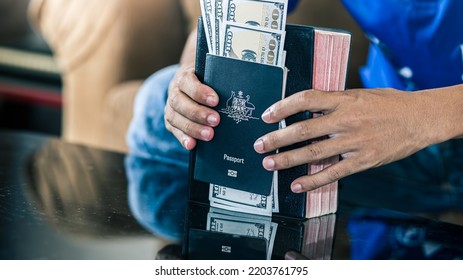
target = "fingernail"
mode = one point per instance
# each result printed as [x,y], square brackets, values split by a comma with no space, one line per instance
[205,133]
[212,120]
[269,164]
[211,100]
[186,142]
[267,113]
[296,188]
[259,145]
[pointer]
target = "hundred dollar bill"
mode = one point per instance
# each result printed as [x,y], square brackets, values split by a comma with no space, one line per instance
[220,12]
[249,43]
[207,12]
[262,13]
[237,200]
[234,208]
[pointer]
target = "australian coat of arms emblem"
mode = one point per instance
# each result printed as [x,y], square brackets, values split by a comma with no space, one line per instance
[239,108]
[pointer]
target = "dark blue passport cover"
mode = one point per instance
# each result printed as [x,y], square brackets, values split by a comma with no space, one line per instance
[246,89]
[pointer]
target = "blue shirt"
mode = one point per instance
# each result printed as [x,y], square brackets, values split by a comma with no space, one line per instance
[416,44]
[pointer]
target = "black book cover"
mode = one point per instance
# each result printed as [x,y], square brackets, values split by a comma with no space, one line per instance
[246,89]
[299,45]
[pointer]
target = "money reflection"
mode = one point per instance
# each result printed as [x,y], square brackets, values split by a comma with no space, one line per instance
[224,221]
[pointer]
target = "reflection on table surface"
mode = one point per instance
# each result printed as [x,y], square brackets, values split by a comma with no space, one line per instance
[66,201]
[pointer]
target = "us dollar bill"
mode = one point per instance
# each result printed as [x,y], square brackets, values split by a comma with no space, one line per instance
[248,43]
[261,13]
[219,17]
[234,208]
[207,11]
[241,201]
[265,14]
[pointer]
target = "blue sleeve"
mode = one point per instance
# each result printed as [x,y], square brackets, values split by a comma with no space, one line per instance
[147,136]
[415,38]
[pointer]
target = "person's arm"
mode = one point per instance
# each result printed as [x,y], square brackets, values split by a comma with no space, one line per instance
[367,127]
[186,113]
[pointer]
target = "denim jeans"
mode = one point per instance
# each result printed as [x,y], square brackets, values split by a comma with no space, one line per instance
[147,136]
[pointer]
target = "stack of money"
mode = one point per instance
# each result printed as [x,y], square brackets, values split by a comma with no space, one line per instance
[250,30]
[331,53]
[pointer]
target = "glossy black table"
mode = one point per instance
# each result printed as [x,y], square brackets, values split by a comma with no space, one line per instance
[65,201]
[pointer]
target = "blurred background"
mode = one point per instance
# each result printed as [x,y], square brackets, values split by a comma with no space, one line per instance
[30,81]
[72,68]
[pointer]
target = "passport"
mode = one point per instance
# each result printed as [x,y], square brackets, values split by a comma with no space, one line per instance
[246,89]
[208,245]
[301,51]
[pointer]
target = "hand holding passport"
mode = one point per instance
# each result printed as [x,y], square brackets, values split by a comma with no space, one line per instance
[244,65]
[242,54]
